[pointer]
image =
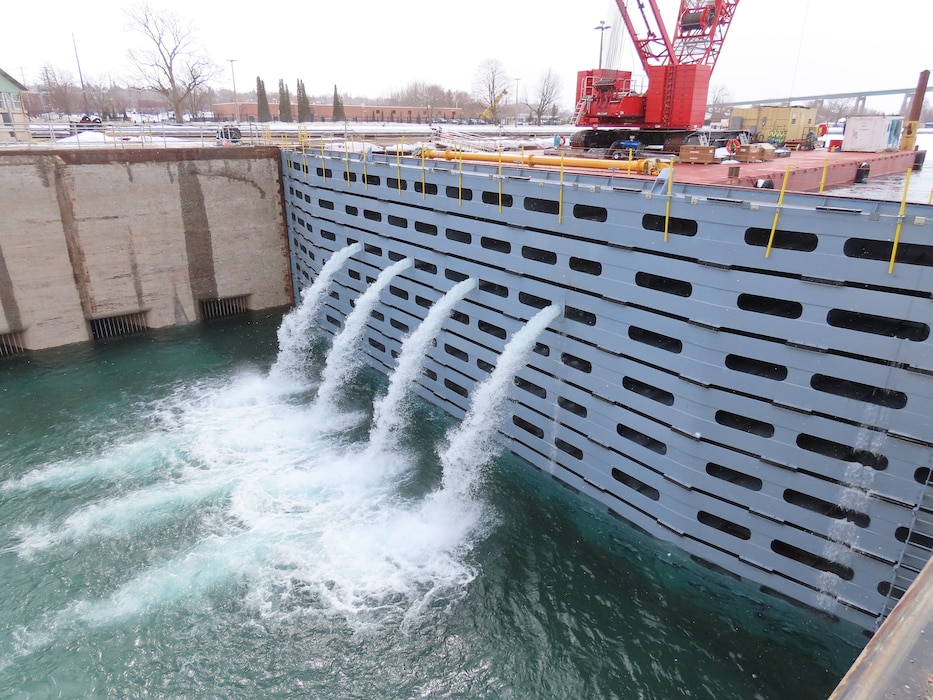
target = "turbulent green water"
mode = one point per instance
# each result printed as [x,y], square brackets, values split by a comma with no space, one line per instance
[175,523]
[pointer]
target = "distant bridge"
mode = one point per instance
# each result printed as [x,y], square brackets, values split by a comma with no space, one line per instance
[860,97]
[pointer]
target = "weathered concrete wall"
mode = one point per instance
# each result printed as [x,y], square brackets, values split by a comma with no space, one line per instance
[92,234]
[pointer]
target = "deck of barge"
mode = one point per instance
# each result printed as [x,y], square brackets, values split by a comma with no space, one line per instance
[808,169]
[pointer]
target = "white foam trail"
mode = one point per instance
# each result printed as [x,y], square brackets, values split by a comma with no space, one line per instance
[470,445]
[114,517]
[389,411]
[342,360]
[295,332]
[122,462]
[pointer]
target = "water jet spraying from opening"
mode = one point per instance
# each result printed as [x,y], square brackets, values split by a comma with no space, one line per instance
[389,411]
[342,360]
[470,445]
[295,333]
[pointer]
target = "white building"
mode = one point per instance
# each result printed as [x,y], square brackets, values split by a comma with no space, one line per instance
[15,123]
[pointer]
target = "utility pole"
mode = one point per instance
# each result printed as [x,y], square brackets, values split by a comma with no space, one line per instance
[516,101]
[80,76]
[236,101]
[602,30]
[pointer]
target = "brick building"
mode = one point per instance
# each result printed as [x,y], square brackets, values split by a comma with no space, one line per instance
[226,111]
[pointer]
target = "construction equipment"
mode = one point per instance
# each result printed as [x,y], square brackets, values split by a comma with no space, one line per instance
[491,109]
[678,69]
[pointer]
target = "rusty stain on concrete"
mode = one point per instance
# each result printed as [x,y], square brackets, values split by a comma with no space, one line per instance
[198,244]
[63,193]
[8,301]
[134,268]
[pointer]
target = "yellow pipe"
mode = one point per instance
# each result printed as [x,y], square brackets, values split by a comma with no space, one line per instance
[900,224]
[670,189]
[533,159]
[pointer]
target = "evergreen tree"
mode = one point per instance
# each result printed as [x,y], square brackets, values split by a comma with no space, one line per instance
[285,102]
[264,114]
[339,114]
[305,113]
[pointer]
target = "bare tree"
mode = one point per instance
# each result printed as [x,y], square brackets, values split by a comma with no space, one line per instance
[426,96]
[490,87]
[547,92]
[833,110]
[174,66]
[60,92]
[717,101]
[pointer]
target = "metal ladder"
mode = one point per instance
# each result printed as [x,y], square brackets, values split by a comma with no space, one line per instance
[917,551]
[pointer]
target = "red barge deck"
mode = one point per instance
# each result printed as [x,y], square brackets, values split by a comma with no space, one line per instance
[807,169]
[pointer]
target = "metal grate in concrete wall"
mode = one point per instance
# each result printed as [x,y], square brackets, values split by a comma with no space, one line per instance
[11,344]
[223,308]
[118,326]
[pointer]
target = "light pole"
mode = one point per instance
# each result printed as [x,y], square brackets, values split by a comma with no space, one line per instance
[516,101]
[236,102]
[602,30]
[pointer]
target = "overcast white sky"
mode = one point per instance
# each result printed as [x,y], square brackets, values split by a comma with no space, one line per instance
[369,47]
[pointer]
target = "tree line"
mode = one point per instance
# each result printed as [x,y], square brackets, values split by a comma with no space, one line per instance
[174,69]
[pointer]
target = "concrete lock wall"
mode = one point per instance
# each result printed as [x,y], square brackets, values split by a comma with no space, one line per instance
[90,234]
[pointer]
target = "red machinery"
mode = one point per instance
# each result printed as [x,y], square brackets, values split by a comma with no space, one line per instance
[678,68]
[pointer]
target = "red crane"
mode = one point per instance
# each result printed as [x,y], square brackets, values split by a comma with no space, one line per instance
[678,67]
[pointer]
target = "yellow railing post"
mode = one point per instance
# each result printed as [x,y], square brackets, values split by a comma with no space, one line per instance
[460,180]
[398,166]
[777,212]
[365,174]
[423,193]
[346,151]
[323,163]
[900,224]
[670,190]
[823,179]
[500,174]
[560,192]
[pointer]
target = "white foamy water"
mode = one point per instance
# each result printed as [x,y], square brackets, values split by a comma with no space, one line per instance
[389,412]
[344,357]
[296,332]
[281,505]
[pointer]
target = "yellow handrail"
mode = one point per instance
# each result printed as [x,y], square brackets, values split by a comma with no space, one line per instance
[670,189]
